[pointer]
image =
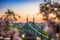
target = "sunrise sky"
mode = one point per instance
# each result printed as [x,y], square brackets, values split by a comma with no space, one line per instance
[22,8]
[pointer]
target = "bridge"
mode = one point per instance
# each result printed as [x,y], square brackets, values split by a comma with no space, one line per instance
[33,29]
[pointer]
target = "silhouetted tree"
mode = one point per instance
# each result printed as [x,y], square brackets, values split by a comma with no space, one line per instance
[7,20]
[11,13]
[48,8]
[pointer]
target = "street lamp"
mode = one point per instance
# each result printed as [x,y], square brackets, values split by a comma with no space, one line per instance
[55,9]
[37,38]
[57,36]
[1,37]
[23,35]
[48,5]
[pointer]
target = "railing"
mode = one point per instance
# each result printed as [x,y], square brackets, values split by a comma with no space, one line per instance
[5,38]
[38,31]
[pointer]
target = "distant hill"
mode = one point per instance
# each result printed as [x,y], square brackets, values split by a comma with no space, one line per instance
[20,24]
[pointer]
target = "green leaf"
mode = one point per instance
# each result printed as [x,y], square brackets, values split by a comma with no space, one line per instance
[43,32]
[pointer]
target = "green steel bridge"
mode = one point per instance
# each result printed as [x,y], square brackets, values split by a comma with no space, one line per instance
[33,29]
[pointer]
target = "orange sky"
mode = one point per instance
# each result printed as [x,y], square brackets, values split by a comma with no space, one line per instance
[38,18]
[29,8]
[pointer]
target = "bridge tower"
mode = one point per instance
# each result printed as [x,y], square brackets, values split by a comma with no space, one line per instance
[27,18]
[33,20]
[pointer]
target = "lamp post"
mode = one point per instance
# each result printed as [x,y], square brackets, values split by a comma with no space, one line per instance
[59,31]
